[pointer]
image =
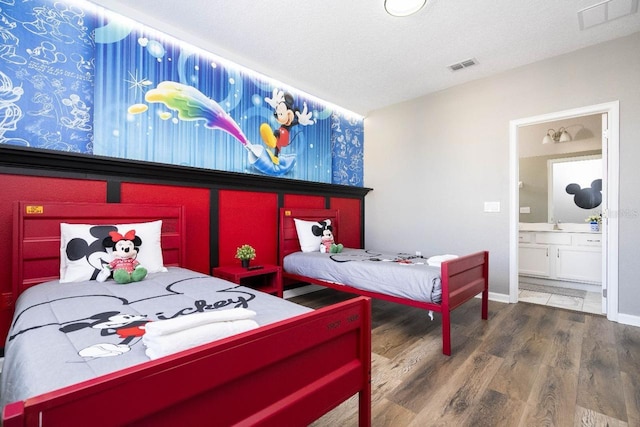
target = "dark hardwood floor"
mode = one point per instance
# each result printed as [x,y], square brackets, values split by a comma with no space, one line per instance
[528,365]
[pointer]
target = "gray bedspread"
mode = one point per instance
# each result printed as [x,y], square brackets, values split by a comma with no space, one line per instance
[400,275]
[63,333]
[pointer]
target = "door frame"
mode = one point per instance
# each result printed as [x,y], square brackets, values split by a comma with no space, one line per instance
[611,158]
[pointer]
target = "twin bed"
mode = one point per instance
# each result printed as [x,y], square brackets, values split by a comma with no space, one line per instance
[400,278]
[296,366]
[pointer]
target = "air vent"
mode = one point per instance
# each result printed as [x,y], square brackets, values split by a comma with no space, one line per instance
[463,64]
[605,11]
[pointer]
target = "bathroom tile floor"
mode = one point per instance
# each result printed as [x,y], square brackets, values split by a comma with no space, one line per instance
[591,303]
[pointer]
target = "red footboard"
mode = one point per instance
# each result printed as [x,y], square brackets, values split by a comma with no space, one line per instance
[287,373]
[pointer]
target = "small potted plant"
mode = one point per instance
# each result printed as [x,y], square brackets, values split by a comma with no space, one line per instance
[245,253]
[595,221]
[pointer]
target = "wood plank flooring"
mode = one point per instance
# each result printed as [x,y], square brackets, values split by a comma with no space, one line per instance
[528,365]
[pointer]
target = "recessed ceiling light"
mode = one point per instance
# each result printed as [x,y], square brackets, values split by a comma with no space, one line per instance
[403,7]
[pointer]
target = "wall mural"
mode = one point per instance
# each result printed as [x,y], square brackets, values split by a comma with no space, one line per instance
[77,78]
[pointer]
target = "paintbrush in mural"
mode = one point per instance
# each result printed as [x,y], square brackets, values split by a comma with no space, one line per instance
[191,104]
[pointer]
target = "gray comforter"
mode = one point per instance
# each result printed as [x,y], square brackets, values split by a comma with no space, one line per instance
[63,333]
[401,275]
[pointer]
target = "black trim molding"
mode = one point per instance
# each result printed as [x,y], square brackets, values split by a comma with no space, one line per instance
[34,161]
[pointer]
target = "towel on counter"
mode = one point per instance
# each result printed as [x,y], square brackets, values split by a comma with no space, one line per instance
[436,261]
[174,335]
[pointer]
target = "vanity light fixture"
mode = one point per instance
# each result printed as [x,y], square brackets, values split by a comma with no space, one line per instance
[556,136]
[403,7]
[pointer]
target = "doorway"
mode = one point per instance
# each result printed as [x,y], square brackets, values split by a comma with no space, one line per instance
[610,165]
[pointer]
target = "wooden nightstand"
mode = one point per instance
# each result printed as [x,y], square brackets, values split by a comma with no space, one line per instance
[266,279]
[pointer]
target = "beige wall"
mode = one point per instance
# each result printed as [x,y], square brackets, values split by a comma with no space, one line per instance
[434,161]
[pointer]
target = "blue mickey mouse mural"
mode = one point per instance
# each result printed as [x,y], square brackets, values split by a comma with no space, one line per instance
[77,78]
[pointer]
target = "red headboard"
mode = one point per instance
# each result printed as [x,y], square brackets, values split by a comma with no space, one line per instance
[288,236]
[36,234]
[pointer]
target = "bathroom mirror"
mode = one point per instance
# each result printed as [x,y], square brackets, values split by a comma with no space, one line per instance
[575,188]
[536,203]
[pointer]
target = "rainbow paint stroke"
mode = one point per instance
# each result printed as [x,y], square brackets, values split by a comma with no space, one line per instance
[191,104]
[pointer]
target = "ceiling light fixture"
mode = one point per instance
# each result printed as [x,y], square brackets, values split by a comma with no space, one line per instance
[403,7]
[560,136]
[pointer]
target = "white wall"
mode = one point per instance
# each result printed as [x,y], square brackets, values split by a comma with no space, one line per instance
[433,161]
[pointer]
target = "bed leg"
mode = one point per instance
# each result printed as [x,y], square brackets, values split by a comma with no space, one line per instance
[485,292]
[446,333]
[485,305]
[364,409]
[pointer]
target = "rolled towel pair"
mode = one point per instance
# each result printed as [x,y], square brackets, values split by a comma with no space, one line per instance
[436,261]
[165,337]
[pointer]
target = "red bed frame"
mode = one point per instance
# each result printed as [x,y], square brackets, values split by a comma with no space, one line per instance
[286,373]
[462,278]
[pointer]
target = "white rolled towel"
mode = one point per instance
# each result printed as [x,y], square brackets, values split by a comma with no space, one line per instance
[163,345]
[436,261]
[180,323]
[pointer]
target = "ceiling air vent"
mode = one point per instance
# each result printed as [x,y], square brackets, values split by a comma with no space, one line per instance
[605,11]
[464,64]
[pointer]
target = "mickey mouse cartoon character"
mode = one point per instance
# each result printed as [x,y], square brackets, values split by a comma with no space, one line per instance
[125,267]
[287,115]
[326,232]
[126,326]
[327,242]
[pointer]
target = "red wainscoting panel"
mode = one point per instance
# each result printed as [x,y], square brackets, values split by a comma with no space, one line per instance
[197,207]
[303,201]
[31,188]
[248,217]
[350,220]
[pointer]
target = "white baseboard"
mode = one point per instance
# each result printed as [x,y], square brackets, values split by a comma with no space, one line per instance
[494,296]
[629,319]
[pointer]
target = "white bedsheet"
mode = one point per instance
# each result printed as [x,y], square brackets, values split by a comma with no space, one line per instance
[400,275]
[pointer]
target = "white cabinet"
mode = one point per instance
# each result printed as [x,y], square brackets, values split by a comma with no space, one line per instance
[533,260]
[575,257]
[579,264]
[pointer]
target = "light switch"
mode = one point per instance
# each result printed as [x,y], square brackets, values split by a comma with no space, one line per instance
[492,206]
[525,209]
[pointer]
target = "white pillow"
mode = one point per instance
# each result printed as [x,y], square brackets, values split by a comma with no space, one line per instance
[82,254]
[309,242]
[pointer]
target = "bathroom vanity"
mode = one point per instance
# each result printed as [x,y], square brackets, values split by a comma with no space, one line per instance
[569,255]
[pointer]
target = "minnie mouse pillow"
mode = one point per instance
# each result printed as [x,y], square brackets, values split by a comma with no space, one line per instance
[82,254]
[310,233]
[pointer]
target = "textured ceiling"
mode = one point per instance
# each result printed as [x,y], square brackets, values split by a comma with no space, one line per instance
[352,54]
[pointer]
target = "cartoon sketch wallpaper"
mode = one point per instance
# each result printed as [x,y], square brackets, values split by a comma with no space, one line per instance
[46,82]
[78,78]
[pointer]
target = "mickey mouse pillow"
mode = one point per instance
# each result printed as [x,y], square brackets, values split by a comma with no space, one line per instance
[82,254]
[310,233]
